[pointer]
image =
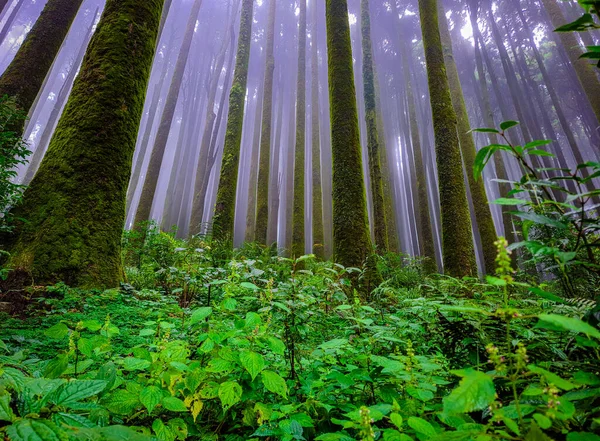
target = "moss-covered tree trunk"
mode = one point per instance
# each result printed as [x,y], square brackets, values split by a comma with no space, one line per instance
[584,69]
[59,104]
[351,238]
[457,240]
[223,220]
[318,236]
[298,236]
[75,206]
[379,214]
[24,77]
[262,197]
[481,207]
[424,225]
[144,207]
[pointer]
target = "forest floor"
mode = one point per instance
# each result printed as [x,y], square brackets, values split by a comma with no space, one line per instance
[256,349]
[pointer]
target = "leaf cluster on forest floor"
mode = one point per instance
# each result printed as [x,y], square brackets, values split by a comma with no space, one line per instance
[253,348]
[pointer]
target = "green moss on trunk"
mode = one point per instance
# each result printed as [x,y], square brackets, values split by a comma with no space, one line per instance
[24,77]
[379,214]
[223,221]
[481,207]
[75,206]
[262,197]
[298,240]
[351,239]
[317,192]
[457,241]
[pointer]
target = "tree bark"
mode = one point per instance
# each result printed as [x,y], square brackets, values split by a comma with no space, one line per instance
[75,205]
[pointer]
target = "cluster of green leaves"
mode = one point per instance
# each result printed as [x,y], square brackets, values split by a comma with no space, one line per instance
[586,23]
[267,350]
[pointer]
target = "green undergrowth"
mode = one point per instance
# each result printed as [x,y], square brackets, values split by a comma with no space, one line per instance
[252,348]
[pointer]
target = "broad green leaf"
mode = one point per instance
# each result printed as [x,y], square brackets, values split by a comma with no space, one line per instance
[163,433]
[135,364]
[77,390]
[74,420]
[57,366]
[6,413]
[86,346]
[536,434]
[397,420]
[58,331]
[276,345]
[35,430]
[253,320]
[92,325]
[249,285]
[303,419]
[394,435]
[582,436]
[505,125]
[337,436]
[174,404]
[540,219]
[567,324]
[552,378]
[122,402]
[3,346]
[230,393]
[274,383]
[543,421]
[254,363]
[147,332]
[509,201]
[421,426]
[150,397]
[485,130]
[122,433]
[475,392]
[200,314]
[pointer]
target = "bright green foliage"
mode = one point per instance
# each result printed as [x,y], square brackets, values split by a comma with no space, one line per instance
[75,205]
[225,205]
[24,77]
[298,239]
[485,224]
[457,242]
[351,239]
[379,214]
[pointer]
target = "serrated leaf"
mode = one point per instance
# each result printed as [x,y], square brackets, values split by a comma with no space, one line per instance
[254,363]
[57,366]
[200,314]
[230,393]
[77,390]
[150,397]
[147,332]
[122,402]
[58,331]
[475,392]
[135,364]
[6,413]
[35,430]
[174,404]
[249,285]
[552,378]
[421,426]
[276,345]
[274,383]
[92,325]
[122,433]
[568,324]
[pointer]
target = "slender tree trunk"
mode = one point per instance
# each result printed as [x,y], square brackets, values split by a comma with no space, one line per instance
[483,214]
[10,20]
[3,4]
[457,239]
[379,218]
[24,77]
[75,205]
[158,151]
[298,236]
[262,200]
[351,238]
[424,226]
[274,177]
[223,220]
[59,104]
[585,71]
[251,218]
[318,236]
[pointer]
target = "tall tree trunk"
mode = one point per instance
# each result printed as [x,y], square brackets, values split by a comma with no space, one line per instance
[351,238]
[75,205]
[23,78]
[142,213]
[251,218]
[318,236]
[379,218]
[274,178]
[3,4]
[481,207]
[585,71]
[223,220]
[59,104]
[262,199]
[457,240]
[298,236]
[424,226]
[10,20]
